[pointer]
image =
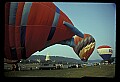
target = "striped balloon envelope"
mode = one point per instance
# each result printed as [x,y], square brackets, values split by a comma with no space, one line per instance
[105,51]
[85,46]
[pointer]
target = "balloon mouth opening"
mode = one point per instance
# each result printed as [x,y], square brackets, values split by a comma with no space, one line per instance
[84,60]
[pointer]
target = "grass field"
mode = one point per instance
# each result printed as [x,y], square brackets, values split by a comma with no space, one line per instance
[92,71]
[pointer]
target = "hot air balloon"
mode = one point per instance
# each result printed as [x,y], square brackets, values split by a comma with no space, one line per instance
[34,26]
[105,52]
[85,46]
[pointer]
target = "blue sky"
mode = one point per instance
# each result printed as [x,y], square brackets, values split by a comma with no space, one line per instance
[97,19]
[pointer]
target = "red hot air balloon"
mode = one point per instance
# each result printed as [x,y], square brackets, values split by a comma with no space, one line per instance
[33,26]
[105,52]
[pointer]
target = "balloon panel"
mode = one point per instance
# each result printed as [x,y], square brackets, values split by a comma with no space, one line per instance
[104,46]
[106,56]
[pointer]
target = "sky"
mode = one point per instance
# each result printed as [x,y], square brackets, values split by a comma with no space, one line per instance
[97,19]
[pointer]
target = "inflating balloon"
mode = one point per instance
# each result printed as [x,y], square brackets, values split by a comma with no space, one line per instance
[34,26]
[105,52]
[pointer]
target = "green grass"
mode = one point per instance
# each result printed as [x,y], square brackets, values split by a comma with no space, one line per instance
[93,71]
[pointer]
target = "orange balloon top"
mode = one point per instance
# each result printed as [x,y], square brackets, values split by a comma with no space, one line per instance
[77,38]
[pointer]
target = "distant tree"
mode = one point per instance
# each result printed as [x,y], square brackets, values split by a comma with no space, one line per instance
[112,59]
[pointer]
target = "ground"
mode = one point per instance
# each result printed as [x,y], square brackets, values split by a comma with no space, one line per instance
[90,71]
